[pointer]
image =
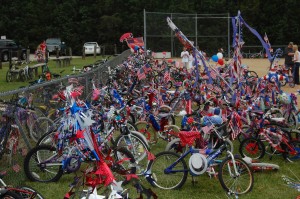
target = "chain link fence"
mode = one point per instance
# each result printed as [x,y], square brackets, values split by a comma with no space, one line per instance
[209,32]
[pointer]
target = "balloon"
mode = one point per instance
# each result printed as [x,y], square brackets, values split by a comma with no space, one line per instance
[221,62]
[215,58]
[136,48]
[220,55]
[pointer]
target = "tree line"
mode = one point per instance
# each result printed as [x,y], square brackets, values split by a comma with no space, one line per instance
[77,21]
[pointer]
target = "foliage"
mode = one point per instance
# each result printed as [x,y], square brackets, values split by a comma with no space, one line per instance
[77,21]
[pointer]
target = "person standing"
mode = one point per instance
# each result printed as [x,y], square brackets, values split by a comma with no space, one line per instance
[191,60]
[185,58]
[297,64]
[288,61]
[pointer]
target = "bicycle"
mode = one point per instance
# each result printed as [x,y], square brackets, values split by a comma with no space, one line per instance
[20,192]
[278,140]
[16,73]
[169,170]
[12,120]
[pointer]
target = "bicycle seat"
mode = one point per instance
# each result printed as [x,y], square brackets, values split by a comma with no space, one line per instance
[163,115]
[178,84]
[188,137]
[278,119]
[171,92]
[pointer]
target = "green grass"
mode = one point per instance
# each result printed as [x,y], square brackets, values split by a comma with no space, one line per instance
[77,62]
[266,184]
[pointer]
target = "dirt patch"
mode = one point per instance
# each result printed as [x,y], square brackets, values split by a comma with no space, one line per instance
[261,67]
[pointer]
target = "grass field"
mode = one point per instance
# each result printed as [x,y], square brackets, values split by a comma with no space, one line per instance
[267,185]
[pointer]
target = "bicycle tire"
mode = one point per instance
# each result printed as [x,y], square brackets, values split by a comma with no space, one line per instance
[292,157]
[39,127]
[177,105]
[163,180]
[9,76]
[253,148]
[35,155]
[11,195]
[47,139]
[123,170]
[3,139]
[291,119]
[243,169]
[30,73]
[175,146]
[169,84]
[22,75]
[137,146]
[28,188]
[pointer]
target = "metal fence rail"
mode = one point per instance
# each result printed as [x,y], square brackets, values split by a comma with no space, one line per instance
[98,74]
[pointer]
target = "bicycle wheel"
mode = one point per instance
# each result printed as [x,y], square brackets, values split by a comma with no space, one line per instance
[137,146]
[10,195]
[36,165]
[3,139]
[123,165]
[252,147]
[28,192]
[175,146]
[9,76]
[22,75]
[41,126]
[232,182]
[292,151]
[291,119]
[164,179]
[177,105]
[48,139]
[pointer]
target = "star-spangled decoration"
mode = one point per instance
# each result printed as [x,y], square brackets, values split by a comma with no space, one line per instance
[117,186]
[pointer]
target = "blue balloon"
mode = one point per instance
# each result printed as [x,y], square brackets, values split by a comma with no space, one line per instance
[136,48]
[215,58]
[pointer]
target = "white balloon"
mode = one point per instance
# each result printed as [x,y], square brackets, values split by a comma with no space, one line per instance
[220,55]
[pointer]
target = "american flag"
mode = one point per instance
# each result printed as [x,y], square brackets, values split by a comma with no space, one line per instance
[206,129]
[167,76]
[141,74]
[16,167]
[268,42]
[147,68]
[213,74]
[248,90]
[138,41]
[218,89]
[237,56]
[236,125]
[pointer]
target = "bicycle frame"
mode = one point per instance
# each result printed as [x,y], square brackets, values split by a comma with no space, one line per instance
[5,188]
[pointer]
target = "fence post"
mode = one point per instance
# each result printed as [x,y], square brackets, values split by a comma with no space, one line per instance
[27,55]
[70,52]
[19,54]
[83,53]
[95,51]
[103,49]
[9,58]
[57,52]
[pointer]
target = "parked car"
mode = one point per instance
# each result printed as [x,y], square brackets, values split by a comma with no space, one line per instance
[56,43]
[8,45]
[89,48]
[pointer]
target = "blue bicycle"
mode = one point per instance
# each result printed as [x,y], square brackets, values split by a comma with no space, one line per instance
[169,170]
